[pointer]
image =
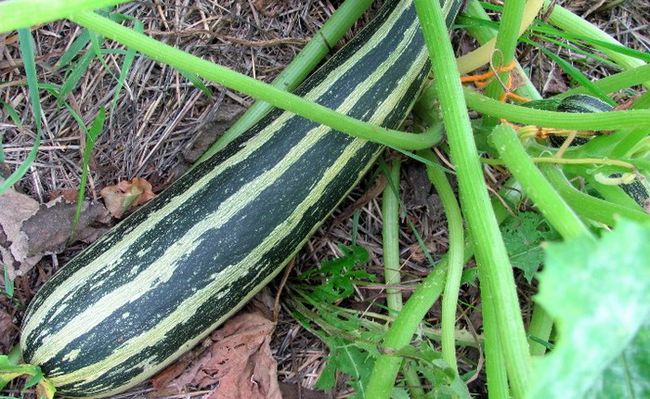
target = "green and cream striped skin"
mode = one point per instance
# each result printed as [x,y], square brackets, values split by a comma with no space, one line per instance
[576,103]
[160,281]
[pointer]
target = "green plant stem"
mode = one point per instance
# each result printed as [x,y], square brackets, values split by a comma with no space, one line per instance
[413,383]
[247,85]
[587,206]
[548,201]
[463,337]
[19,14]
[643,102]
[541,323]
[495,364]
[613,120]
[571,23]
[540,327]
[407,322]
[299,68]
[455,258]
[390,237]
[483,34]
[402,329]
[425,107]
[494,266]
[15,355]
[91,136]
[612,193]
[506,43]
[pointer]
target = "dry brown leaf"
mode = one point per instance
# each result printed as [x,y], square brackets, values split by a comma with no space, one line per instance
[126,195]
[15,208]
[29,230]
[8,331]
[50,228]
[237,357]
[69,196]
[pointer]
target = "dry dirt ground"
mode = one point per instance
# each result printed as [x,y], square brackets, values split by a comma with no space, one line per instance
[161,122]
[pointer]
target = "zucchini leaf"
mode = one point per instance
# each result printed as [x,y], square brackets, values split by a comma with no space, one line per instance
[598,292]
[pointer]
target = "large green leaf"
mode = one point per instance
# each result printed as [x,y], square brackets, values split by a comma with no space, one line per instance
[598,292]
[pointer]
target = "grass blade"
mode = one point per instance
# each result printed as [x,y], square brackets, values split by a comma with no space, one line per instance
[75,48]
[93,132]
[27,53]
[126,66]
[197,82]
[574,73]
[73,78]
[11,112]
[9,283]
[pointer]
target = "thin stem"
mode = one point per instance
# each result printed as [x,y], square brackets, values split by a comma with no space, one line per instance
[540,327]
[590,207]
[390,236]
[407,322]
[455,258]
[548,201]
[26,47]
[413,383]
[247,85]
[495,270]
[613,120]
[299,68]
[402,329]
[569,161]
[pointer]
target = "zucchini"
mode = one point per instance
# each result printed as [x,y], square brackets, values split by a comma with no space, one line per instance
[579,103]
[162,279]
[638,189]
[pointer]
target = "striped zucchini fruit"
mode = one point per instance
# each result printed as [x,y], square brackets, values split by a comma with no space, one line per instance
[576,103]
[161,280]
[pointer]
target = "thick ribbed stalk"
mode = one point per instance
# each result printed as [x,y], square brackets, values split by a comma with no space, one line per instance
[548,201]
[390,236]
[299,68]
[613,120]
[494,266]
